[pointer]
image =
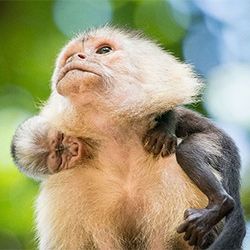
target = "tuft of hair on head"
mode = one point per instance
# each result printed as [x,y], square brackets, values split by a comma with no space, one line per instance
[28,149]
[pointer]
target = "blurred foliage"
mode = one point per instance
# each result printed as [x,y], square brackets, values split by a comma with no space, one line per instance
[29,42]
[31,34]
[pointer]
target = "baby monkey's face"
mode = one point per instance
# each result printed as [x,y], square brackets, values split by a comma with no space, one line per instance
[64,151]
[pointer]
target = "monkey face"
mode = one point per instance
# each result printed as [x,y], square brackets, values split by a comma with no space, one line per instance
[78,71]
[91,65]
[123,73]
[96,65]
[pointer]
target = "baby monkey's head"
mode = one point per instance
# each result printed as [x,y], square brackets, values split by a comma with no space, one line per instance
[40,150]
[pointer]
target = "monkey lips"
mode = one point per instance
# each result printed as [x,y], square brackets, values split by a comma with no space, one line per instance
[76,77]
[76,65]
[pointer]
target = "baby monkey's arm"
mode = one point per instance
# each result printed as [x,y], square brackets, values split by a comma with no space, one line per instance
[199,155]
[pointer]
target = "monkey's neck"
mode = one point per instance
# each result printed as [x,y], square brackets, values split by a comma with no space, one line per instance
[90,121]
[101,126]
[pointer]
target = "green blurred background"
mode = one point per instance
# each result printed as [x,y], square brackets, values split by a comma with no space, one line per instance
[212,35]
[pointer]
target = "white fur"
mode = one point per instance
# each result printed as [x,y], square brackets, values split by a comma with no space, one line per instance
[28,141]
[146,72]
[123,188]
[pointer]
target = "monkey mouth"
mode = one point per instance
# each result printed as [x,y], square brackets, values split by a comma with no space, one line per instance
[75,66]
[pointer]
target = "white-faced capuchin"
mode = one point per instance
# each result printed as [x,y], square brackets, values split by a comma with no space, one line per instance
[110,88]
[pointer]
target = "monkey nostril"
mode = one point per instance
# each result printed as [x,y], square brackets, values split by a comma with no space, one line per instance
[82,56]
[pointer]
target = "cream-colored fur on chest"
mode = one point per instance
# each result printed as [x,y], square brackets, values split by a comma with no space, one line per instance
[123,189]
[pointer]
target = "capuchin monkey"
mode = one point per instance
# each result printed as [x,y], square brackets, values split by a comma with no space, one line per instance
[113,87]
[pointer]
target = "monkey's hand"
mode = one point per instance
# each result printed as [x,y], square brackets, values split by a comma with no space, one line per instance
[197,224]
[160,140]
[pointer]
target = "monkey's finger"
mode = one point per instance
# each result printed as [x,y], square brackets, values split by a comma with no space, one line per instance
[187,235]
[158,145]
[173,145]
[165,150]
[183,227]
[188,213]
[146,139]
[201,241]
[193,239]
[169,148]
[185,224]
[150,145]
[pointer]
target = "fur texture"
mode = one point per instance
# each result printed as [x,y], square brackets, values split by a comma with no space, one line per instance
[140,71]
[123,198]
[27,147]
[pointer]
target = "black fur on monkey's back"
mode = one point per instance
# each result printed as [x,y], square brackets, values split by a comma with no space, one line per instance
[228,165]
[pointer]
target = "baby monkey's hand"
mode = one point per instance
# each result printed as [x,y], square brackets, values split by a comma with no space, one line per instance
[160,140]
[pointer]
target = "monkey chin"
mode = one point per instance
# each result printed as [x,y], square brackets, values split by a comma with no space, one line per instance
[76,82]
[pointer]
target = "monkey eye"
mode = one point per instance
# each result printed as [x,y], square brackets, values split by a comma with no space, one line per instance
[104,50]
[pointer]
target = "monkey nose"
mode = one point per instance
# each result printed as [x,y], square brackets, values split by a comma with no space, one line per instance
[81,55]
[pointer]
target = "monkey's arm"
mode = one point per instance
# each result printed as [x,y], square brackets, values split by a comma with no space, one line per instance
[200,155]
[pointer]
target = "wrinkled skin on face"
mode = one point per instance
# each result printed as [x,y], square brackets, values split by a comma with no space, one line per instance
[64,151]
[89,67]
[77,73]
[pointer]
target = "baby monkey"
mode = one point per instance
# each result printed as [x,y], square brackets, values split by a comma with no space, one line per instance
[199,163]
[40,150]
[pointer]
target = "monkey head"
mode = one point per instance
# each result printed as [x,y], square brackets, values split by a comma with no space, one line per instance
[123,72]
[39,150]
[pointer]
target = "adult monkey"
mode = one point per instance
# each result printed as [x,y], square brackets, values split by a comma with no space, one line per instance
[114,85]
